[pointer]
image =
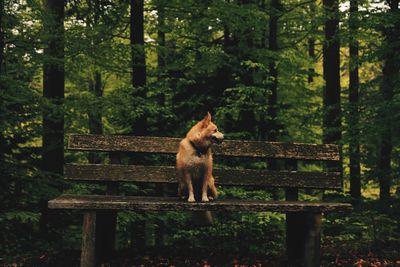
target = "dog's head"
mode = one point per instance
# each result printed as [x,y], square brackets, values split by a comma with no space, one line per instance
[208,131]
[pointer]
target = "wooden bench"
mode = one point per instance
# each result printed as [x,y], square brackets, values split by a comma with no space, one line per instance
[303,224]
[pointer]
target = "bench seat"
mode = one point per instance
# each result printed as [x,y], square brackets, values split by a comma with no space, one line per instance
[108,202]
[136,159]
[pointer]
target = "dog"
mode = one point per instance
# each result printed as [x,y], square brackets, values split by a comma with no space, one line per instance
[194,161]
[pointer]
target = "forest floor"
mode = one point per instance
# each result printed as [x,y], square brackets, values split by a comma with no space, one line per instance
[71,259]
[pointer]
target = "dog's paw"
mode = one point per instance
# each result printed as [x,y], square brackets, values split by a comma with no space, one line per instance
[210,198]
[191,199]
[205,199]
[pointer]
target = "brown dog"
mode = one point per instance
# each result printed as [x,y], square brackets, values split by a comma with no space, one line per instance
[194,161]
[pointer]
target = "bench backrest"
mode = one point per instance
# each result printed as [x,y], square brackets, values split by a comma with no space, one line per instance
[166,174]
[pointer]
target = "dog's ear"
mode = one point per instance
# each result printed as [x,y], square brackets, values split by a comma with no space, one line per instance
[206,121]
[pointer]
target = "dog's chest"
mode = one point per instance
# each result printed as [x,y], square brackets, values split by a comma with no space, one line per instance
[197,165]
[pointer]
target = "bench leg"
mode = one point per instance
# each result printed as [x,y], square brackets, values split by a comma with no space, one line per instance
[312,244]
[303,235]
[88,239]
[105,235]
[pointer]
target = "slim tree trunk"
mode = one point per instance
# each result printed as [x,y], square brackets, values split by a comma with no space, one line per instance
[95,83]
[331,70]
[53,88]
[139,125]
[273,71]
[53,91]
[4,179]
[354,145]
[224,74]
[95,122]
[272,128]
[2,36]
[311,54]
[105,220]
[390,78]
[138,60]
[311,44]
[161,38]
[161,189]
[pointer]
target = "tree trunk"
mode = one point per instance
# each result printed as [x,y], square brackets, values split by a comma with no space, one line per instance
[311,45]
[331,69]
[105,220]
[273,72]
[95,122]
[161,189]
[2,36]
[354,145]
[272,127]
[390,79]
[53,88]
[53,91]
[139,125]
[161,38]
[138,60]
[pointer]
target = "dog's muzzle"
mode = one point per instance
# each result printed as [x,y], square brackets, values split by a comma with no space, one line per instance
[217,138]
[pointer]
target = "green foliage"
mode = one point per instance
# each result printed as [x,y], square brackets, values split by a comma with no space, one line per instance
[365,229]
[254,234]
[215,57]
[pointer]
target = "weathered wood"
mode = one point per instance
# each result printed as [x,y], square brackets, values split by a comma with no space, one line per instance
[303,234]
[227,148]
[106,221]
[97,202]
[88,239]
[312,240]
[295,225]
[303,218]
[241,177]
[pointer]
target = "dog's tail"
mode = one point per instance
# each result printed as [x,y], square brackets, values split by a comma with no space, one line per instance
[202,218]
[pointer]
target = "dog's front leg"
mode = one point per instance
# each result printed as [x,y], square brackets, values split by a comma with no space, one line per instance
[189,184]
[213,189]
[204,189]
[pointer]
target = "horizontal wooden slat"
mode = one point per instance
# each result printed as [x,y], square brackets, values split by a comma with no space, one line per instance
[96,202]
[227,148]
[167,174]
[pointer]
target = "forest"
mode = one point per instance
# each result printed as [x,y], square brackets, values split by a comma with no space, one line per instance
[302,71]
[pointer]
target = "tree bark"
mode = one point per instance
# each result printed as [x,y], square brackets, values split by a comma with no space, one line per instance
[139,125]
[138,60]
[53,88]
[311,54]
[331,72]
[2,36]
[311,45]
[53,91]
[161,189]
[390,78]
[354,143]
[161,38]
[273,72]
[272,127]
[331,69]
[95,122]
[105,220]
